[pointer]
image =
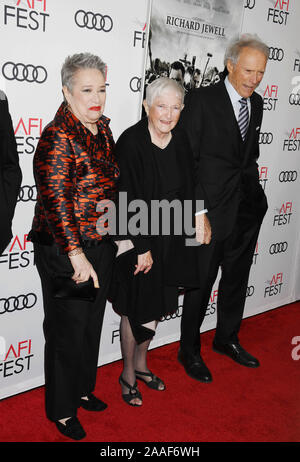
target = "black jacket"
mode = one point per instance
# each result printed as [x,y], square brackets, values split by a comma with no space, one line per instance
[10,173]
[139,179]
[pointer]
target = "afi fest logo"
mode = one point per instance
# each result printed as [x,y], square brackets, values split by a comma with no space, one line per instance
[16,358]
[139,37]
[274,286]
[27,134]
[263,177]
[17,254]
[270,98]
[292,143]
[294,97]
[213,300]
[284,215]
[279,14]
[276,54]
[33,17]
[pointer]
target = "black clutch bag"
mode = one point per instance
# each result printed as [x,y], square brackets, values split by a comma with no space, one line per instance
[65,288]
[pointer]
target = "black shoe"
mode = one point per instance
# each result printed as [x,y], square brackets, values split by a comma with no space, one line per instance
[133,392]
[236,352]
[194,366]
[92,403]
[72,429]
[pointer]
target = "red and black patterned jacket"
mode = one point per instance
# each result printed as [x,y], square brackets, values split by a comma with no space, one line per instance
[73,170]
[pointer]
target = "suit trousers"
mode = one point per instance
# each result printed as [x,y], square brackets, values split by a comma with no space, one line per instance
[234,255]
[72,330]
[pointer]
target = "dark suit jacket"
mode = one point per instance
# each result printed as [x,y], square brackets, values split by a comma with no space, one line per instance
[227,167]
[10,173]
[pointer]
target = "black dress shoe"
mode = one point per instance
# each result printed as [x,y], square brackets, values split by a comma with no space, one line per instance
[72,429]
[92,403]
[194,366]
[236,352]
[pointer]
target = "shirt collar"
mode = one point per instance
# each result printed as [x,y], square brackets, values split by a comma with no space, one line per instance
[233,94]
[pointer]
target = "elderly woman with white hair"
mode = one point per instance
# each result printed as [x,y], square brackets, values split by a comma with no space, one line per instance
[156,164]
[74,168]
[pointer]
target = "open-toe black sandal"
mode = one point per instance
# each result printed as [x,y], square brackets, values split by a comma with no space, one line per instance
[154,383]
[133,392]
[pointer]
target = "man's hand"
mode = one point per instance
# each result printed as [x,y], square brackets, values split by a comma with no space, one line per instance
[203,229]
[144,263]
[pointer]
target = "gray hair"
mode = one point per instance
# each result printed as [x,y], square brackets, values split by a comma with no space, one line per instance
[158,86]
[235,47]
[80,61]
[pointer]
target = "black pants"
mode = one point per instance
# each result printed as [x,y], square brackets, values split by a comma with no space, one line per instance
[234,255]
[72,330]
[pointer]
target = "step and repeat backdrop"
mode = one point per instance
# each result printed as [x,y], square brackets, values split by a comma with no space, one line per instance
[139,40]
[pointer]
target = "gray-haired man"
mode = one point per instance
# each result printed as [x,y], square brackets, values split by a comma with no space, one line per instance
[223,123]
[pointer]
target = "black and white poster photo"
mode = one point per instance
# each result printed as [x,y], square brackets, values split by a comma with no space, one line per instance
[187,39]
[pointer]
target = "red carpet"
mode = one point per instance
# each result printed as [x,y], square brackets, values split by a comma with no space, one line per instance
[240,405]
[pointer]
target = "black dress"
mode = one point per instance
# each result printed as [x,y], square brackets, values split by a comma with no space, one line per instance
[134,292]
[150,173]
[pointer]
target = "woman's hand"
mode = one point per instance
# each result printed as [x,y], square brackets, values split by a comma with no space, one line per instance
[83,269]
[144,263]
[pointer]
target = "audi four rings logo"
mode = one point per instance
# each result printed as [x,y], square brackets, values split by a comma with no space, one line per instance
[288,176]
[276,54]
[135,84]
[24,72]
[250,4]
[278,247]
[18,303]
[27,193]
[91,20]
[265,138]
[168,317]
